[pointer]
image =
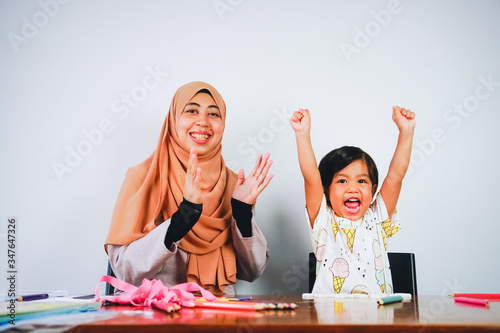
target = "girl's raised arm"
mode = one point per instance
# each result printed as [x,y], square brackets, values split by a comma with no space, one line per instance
[405,120]
[301,124]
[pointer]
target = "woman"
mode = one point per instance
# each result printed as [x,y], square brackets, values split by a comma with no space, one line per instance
[182,215]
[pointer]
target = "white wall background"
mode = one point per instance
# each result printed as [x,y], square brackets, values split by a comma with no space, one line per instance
[68,66]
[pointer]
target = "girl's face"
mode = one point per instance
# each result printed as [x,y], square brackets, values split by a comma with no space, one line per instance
[200,124]
[351,191]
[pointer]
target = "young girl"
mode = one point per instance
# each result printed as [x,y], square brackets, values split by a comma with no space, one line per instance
[348,230]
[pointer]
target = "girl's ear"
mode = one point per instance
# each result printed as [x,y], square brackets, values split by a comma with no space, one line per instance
[374,190]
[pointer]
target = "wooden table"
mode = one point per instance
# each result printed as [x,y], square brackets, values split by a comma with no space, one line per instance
[421,314]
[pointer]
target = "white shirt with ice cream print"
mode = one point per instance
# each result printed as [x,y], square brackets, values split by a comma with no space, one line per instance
[352,255]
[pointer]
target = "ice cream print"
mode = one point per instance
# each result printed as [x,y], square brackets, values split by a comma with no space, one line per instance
[350,233]
[335,228]
[379,265]
[348,227]
[320,248]
[360,289]
[340,270]
[388,229]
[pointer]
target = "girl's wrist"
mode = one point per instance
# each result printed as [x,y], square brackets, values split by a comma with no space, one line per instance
[406,132]
[302,135]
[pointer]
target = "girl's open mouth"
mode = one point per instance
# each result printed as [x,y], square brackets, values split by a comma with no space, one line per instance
[352,206]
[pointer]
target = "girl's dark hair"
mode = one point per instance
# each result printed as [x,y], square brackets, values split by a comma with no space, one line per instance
[340,158]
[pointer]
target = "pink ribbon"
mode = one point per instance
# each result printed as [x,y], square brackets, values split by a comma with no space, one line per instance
[153,293]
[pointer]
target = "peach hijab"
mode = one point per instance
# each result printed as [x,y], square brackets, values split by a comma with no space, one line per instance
[153,190]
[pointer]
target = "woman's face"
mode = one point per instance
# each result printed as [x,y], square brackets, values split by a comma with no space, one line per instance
[200,124]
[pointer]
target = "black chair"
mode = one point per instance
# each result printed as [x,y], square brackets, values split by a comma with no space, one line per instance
[403,271]
[312,270]
[110,290]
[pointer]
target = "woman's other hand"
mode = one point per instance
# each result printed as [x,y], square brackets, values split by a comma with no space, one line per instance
[248,189]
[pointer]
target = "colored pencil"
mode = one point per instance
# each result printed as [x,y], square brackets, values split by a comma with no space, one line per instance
[165,306]
[469,300]
[243,298]
[34,297]
[279,306]
[484,296]
[229,305]
[240,305]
